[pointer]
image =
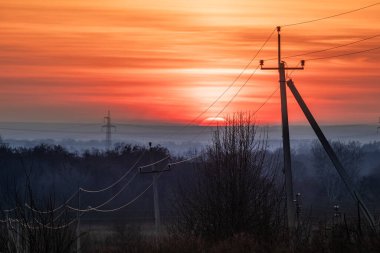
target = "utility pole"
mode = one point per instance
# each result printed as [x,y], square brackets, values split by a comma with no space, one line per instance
[108,126]
[8,231]
[290,207]
[18,238]
[378,128]
[78,223]
[157,217]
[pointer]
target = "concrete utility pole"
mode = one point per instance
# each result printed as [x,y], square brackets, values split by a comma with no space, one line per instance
[108,126]
[8,231]
[78,224]
[157,217]
[291,212]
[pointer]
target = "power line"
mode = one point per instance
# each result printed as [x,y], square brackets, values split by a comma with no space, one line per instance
[220,112]
[55,209]
[332,16]
[183,161]
[154,163]
[128,203]
[341,55]
[256,111]
[45,130]
[234,81]
[53,227]
[117,181]
[27,225]
[220,96]
[327,49]
[236,93]
[93,191]
[266,101]
[107,201]
[289,76]
[229,102]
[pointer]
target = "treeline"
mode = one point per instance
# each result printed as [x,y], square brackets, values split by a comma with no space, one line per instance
[50,170]
[230,198]
[319,183]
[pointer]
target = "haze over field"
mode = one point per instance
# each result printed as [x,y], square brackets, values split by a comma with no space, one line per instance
[178,139]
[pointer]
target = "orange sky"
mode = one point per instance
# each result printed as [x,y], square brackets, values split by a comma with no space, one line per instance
[166,61]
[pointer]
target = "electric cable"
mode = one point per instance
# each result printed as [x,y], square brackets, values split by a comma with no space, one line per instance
[183,161]
[46,130]
[107,201]
[236,93]
[92,191]
[331,48]
[229,102]
[25,224]
[341,55]
[234,81]
[327,49]
[53,227]
[128,203]
[55,209]
[154,163]
[220,112]
[266,101]
[332,16]
[117,181]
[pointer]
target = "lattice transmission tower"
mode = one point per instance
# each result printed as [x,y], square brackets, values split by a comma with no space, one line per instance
[108,126]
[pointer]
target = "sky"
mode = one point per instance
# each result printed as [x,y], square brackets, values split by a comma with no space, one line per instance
[167,61]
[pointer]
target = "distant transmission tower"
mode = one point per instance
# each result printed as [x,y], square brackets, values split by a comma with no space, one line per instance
[378,128]
[108,126]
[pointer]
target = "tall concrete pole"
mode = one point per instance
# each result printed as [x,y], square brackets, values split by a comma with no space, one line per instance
[285,140]
[157,217]
[291,210]
[78,224]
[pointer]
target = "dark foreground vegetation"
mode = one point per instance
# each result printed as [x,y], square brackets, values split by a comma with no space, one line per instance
[230,199]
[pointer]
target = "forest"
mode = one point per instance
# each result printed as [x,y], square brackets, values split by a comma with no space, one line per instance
[228,197]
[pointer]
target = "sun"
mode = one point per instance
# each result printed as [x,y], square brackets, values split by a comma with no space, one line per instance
[213,121]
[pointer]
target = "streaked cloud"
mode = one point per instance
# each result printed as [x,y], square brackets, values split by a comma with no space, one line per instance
[169,60]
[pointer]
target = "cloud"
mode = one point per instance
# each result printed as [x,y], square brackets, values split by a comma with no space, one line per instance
[169,60]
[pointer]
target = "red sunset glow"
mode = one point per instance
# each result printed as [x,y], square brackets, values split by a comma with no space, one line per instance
[167,61]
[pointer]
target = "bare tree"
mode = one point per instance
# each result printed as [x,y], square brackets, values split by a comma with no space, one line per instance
[37,228]
[232,191]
